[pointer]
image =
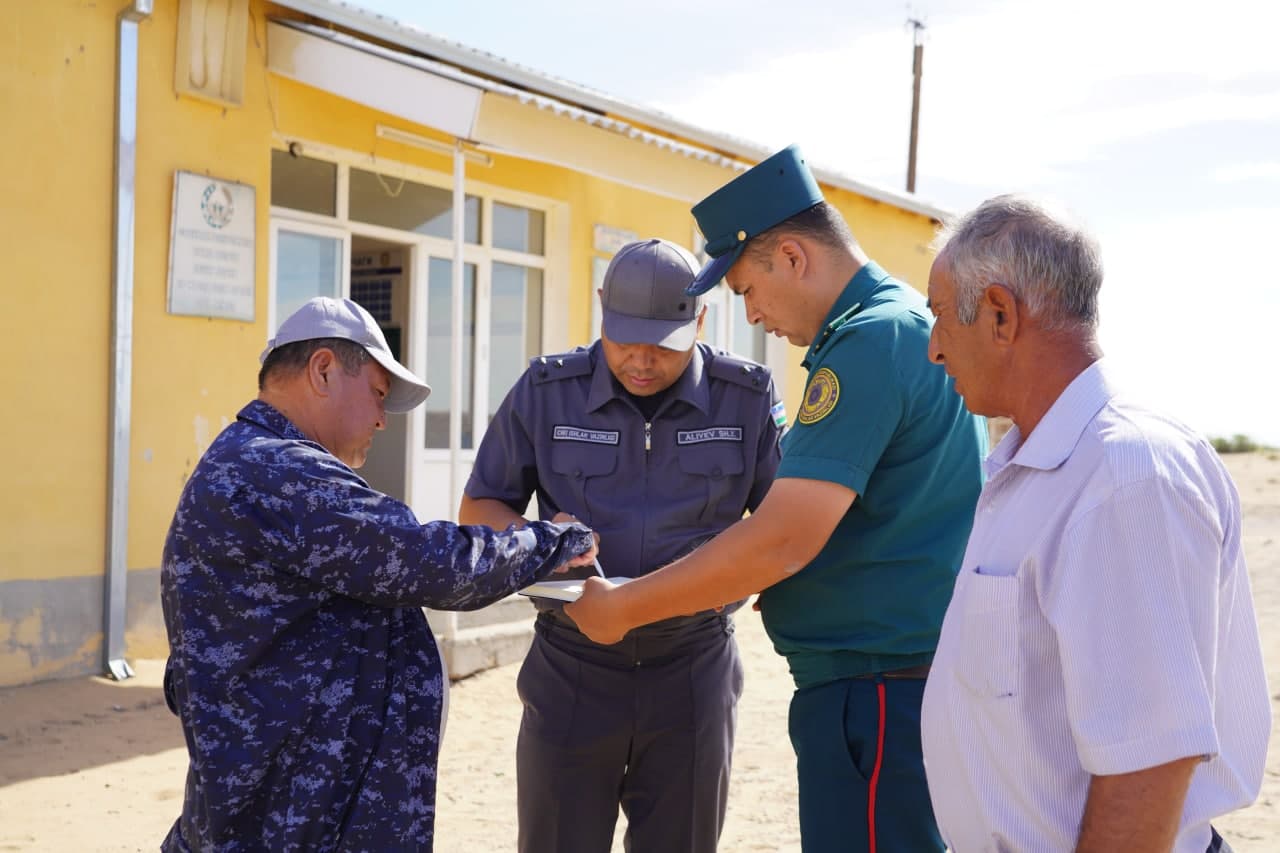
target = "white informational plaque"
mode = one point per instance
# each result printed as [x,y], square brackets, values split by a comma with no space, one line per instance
[212,259]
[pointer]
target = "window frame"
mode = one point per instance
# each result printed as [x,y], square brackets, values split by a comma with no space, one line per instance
[553,262]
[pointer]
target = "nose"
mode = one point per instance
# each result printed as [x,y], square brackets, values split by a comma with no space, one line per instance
[381,423]
[935,351]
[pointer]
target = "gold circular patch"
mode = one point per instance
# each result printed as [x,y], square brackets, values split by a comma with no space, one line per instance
[820,397]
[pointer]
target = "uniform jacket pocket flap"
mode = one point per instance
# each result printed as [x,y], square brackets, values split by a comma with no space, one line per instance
[584,460]
[713,462]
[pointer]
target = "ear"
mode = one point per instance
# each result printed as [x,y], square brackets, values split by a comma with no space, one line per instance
[1002,308]
[320,369]
[702,319]
[792,256]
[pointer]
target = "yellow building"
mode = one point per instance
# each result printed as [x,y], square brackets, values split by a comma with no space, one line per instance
[283,150]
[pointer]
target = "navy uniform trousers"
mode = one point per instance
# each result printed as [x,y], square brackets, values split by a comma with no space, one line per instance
[861,738]
[674,736]
[858,757]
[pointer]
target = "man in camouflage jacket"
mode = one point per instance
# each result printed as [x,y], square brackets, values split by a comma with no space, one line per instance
[304,672]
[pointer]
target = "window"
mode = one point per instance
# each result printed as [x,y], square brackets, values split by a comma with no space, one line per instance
[440,347]
[409,206]
[518,228]
[319,207]
[515,326]
[307,264]
[303,183]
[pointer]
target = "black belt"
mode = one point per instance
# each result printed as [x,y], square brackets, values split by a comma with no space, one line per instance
[917,672]
[651,644]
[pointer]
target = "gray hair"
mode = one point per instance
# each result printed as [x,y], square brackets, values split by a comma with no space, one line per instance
[1050,264]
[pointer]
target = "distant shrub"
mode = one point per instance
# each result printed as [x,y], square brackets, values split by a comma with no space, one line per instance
[1238,443]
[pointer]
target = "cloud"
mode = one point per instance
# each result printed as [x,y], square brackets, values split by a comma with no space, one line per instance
[1233,172]
[1013,95]
[1188,316]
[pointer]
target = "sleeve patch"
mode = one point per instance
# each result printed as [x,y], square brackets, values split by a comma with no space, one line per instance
[820,397]
[779,414]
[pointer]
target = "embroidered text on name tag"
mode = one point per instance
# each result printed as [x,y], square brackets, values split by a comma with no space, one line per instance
[591,436]
[697,436]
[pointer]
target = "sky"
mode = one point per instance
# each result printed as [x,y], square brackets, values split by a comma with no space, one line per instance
[1157,124]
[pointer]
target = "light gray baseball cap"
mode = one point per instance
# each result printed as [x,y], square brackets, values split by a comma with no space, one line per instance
[325,317]
[643,297]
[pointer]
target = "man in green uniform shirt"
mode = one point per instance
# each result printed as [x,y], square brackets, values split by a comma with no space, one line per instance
[856,546]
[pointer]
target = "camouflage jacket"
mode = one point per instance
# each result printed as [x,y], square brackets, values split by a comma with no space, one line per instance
[301,665]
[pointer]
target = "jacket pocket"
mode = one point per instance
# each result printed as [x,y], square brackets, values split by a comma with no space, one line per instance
[579,468]
[715,471]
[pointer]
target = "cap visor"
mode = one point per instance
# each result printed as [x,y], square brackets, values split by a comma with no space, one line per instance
[668,334]
[407,390]
[713,272]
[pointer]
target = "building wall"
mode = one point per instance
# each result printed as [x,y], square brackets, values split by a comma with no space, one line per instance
[56,86]
[190,375]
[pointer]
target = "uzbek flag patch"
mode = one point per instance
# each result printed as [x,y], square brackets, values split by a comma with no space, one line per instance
[779,414]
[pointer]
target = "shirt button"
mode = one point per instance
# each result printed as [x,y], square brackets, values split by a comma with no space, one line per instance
[577,473]
[716,473]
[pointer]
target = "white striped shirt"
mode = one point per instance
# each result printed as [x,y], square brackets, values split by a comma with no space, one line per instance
[1101,623]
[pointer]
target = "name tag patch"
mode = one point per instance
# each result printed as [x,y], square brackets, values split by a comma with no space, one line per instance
[698,436]
[590,436]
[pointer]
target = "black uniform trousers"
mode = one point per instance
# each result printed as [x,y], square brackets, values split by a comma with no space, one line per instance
[646,724]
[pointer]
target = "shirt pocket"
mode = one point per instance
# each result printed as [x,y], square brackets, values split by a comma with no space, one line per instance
[715,472]
[579,468]
[988,661]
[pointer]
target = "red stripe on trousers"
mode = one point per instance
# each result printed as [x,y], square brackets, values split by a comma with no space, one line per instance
[875,773]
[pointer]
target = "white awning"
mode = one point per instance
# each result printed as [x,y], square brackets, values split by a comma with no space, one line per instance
[343,66]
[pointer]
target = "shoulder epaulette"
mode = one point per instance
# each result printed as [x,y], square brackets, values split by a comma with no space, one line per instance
[837,326]
[742,371]
[565,365]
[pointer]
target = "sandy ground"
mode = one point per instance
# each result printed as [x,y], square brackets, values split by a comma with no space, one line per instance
[89,765]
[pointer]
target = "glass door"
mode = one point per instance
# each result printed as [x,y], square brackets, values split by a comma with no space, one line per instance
[306,261]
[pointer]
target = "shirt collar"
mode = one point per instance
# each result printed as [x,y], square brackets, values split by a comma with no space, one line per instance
[1056,436]
[855,294]
[692,387]
[270,418]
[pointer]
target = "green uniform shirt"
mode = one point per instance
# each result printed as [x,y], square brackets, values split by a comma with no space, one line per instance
[878,418]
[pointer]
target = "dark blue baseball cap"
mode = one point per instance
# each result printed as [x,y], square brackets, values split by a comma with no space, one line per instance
[770,192]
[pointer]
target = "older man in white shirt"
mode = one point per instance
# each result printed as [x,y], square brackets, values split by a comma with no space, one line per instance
[1098,684]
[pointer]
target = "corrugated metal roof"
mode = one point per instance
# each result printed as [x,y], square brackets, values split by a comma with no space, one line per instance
[581,103]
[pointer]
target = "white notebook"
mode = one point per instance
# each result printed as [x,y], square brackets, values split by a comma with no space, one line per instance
[566,590]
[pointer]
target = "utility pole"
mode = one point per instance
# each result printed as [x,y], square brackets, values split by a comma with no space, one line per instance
[917,69]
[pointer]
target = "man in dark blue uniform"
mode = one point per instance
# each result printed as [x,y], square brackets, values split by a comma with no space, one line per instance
[306,677]
[856,548]
[658,443]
